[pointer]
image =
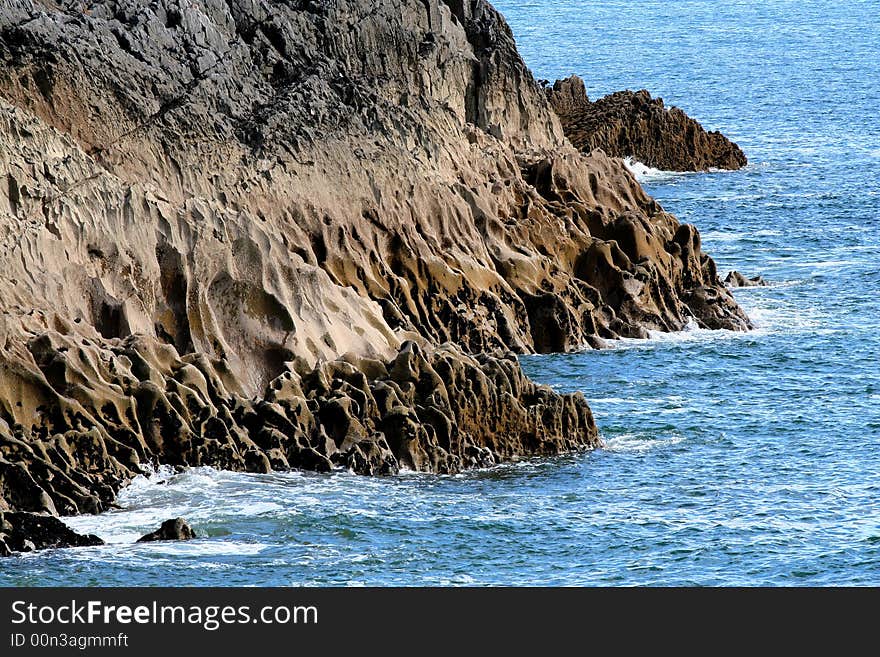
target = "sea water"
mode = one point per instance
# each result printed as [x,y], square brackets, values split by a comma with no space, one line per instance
[730,458]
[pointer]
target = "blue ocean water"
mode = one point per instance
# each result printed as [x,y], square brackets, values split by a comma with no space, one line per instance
[731,459]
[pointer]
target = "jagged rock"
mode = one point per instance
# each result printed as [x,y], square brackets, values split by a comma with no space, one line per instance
[632,124]
[263,235]
[430,409]
[26,532]
[735,279]
[176,529]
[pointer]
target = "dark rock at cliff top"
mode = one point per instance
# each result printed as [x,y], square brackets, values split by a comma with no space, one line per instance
[175,529]
[632,124]
[267,235]
[26,532]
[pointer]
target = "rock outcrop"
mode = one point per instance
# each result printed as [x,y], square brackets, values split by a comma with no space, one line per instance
[175,529]
[265,235]
[735,279]
[633,124]
[26,532]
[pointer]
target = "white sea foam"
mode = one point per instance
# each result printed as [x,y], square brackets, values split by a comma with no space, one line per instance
[203,547]
[151,472]
[735,236]
[631,443]
[645,174]
[690,333]
[722,236]
[151,499]
[120,527]
[768,316]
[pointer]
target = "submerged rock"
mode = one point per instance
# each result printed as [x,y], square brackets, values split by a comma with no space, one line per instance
[633,124]
[26,532]
[735,279]
[176,529]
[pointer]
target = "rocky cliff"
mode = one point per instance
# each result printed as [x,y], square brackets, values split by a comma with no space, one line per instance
[633,124]
[262,235]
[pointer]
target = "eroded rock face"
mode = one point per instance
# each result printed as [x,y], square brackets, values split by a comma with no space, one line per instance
[633,124]
[260,235]
[26,532]
[436,410]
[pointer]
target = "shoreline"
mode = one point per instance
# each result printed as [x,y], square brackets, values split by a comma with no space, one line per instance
[334,275]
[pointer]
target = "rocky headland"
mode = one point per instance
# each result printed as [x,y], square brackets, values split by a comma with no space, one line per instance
[633,124]
[267,235]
